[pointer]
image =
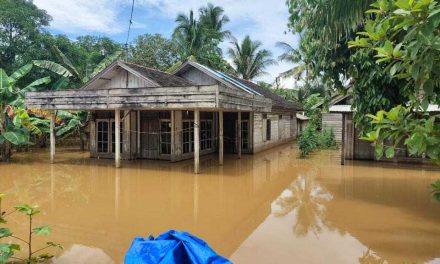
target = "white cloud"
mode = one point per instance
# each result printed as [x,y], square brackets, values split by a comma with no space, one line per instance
[76,16]
[264,20]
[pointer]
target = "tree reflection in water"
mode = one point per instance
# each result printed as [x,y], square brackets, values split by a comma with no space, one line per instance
[370,257]
[306,198]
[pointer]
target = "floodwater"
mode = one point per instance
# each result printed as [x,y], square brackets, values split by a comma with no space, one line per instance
[266,208]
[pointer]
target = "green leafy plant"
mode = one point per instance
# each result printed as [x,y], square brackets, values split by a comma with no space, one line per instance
[326,139]
[308,141]
[9,250]
[436,190]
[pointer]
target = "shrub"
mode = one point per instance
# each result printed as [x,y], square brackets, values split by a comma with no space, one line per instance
[326,139]
[308,141]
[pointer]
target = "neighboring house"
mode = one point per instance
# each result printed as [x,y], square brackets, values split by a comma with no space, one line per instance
[332,119]
[302,121]
[340,119]
[142,113]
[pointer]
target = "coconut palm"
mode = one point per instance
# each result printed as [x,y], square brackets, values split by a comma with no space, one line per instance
[329,20]
[304,66]
[248,59]
[213,20]
[188,35]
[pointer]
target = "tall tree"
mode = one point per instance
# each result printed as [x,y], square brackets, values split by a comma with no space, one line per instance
[20,22]
[213,20]
[248,59]
[154,51]
[199,39]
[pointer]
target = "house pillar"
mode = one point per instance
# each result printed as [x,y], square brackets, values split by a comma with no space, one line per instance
[196,141]
[343,140]
[138,134]
[52,136]
[239,135]
[220,138]
[118,138]
[173,135]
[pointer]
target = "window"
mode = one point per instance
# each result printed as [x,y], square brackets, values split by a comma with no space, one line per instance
[268,129]
[114,137]
[102,136]
[280,117]
[165,137]
[245,134]
[205,134]
[188,136]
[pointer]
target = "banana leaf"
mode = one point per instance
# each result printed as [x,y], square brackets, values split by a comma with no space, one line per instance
[54,67]
[22,71]
[103,64]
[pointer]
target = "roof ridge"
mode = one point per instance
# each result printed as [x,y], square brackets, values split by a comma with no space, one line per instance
[145,67]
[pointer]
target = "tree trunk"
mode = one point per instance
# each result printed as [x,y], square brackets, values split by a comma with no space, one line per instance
[5,151]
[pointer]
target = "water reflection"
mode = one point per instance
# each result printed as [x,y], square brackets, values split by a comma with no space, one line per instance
[369,257]
[306,198]
[247,209]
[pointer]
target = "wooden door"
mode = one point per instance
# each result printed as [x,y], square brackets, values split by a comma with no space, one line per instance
[150,136]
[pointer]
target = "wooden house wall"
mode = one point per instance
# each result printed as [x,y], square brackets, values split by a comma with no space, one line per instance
[333,121]
[282,130]
[198,77]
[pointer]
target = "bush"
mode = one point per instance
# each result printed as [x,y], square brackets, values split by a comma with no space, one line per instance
[326,139]
[308,141]
[311,139]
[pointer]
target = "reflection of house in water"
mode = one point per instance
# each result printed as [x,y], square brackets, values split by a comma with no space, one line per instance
[377,215]
[223,205]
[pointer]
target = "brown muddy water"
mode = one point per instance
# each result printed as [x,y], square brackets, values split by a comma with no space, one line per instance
[266,208]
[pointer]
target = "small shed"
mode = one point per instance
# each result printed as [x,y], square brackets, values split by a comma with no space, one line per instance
[302,121]
[340,119]
[142,113]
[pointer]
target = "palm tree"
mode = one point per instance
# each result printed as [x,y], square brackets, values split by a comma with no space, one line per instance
[200,38]
[188,35]
[248,60]
[213,20]
[304,66]
[329,20]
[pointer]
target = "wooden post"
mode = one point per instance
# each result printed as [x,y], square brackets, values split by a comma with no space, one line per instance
[138,135]
[117,138]
[173,135]
[239,143]
[196,141]
[52,137]
[343,140]
[220,138]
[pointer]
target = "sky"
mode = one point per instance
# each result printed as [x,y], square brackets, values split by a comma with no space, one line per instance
[263,20]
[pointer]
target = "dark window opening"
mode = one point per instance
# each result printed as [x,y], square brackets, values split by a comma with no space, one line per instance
[188,136]
[165,137]
[268,129]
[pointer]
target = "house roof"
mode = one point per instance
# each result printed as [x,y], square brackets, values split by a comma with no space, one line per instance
[245,85]
[347,109]
[155,77]
[164,79]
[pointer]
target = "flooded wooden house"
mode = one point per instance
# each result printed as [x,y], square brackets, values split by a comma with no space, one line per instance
[340,119]
[142,113]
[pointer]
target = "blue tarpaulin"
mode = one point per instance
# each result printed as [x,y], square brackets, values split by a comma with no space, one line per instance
[172,247]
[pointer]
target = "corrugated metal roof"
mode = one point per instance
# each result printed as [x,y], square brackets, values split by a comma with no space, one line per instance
[340,108]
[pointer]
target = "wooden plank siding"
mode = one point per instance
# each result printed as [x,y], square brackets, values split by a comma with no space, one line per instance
[333,121]
[202,97]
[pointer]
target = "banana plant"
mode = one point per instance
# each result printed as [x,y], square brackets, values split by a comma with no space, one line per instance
[15,123]
[66,69]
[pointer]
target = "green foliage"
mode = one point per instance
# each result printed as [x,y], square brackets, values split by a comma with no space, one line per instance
[8,250]
[404,37]
[326,139]
[20,22]
[154,51]
[200,38]
[248,59]
[436,190]
[308,141]
[418,131]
